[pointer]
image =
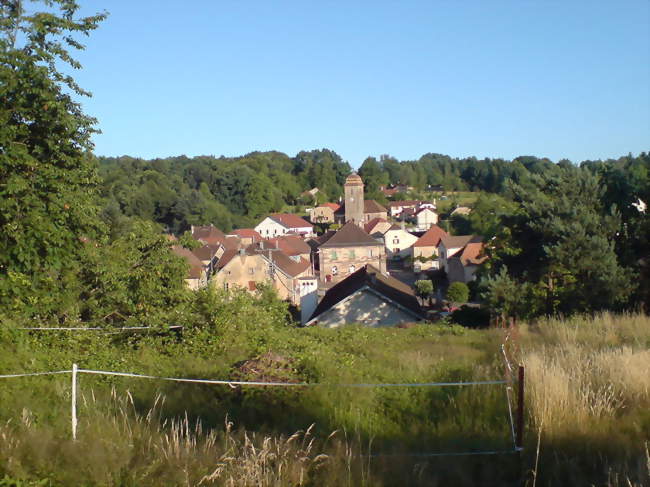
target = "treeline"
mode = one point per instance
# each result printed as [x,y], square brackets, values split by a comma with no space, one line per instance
[235,192]
[229,192]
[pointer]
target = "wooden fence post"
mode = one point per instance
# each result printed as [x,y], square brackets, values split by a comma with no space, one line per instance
[74,402]
[520,409]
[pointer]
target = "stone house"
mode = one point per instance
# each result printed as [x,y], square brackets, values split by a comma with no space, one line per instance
[369,297]
[426,247]
[397,207]
[324,213]
[377,226]
[278,224]
[291,245]
[464,264]
[209,255]
[339,254]
[247,236]
[399,242]
[424,218]
[455,246]
[196,277]
[246,268]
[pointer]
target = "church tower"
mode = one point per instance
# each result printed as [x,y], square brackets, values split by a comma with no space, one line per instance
[353,189]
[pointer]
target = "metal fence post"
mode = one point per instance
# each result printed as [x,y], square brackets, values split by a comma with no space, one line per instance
[74,402]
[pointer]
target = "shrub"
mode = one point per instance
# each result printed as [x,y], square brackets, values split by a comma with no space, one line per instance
[458,292]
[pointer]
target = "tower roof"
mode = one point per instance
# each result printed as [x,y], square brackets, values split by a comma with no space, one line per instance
[353,180]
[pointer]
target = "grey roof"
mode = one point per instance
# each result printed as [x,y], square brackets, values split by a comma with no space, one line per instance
[350,235]
[370,277]
[458,241]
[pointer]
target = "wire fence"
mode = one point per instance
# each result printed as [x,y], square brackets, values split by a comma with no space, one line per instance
[515,429]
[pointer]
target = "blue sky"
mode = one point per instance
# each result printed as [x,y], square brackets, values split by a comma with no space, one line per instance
[491,79]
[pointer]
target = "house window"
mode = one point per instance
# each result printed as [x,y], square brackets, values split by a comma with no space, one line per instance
[352,254]
[335,270]
[333,255]
[396,250]
[369,252]
[225,286]
[396,240]
[251,270]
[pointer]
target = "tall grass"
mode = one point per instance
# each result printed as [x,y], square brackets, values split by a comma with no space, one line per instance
[587,405]
[126,447]
[589,395]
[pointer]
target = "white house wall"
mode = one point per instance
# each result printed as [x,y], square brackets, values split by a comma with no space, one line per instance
[366,308]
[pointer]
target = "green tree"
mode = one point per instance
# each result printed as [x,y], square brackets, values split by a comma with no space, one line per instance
[561,239]
[47,175]
[458,292]
[424,288]
[135,278]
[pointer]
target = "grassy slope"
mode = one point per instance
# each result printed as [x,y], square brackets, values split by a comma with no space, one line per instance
[588,396]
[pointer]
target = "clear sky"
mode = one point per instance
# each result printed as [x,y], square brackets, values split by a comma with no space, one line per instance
[561,79]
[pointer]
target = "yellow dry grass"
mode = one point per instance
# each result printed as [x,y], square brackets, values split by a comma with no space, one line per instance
[587,372]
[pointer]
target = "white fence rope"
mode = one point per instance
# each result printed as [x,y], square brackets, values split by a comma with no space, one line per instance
[74,371]
[32,374]
[289,384]
[97,328]
[443,454]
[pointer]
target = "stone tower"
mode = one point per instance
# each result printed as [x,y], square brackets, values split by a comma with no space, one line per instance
[353,189]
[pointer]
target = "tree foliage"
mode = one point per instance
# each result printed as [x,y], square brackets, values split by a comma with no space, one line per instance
[48,180]
[458,292]
[561,241]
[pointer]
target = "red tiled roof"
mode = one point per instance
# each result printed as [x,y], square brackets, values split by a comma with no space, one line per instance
[289,220]
[290,244]
[431,237]
[288,265]
[208,234]
[231,242]
[206,252]
[333,206]
[368,227]
[227,256]
[471,254]
[247,233]
[196,266]
[292,266]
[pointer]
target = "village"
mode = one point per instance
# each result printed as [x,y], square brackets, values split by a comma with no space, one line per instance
[353,262]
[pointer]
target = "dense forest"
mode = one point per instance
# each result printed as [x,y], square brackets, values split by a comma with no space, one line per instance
[234,192]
